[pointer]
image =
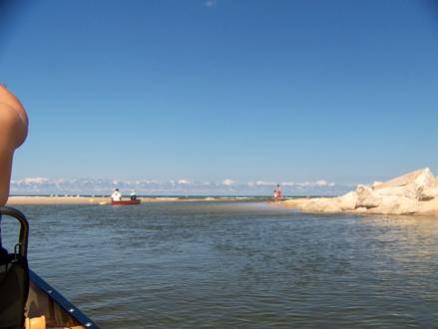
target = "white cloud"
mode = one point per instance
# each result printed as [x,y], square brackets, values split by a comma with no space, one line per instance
[318,183]
[264,183]
[31,181]
[42,185]
[210,3]
[228,182]
[323,182]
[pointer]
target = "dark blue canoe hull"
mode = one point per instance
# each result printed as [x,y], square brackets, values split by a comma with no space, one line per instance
[58,311]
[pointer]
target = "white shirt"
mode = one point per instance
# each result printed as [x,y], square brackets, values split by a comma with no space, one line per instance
[116,196]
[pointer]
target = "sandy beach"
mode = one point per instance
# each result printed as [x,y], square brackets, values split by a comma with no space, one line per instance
[102,200]
[71,200]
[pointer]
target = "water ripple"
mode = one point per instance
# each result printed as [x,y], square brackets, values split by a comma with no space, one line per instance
[224,265]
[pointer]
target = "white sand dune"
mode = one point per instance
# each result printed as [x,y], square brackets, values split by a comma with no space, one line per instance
[415,193]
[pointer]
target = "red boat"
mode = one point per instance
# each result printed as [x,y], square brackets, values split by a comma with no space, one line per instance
[125,202]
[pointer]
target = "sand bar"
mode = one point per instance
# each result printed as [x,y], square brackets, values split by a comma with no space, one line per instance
[84,200]
[70,200]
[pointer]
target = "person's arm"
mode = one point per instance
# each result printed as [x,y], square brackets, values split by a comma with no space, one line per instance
[13,132]
[5,169]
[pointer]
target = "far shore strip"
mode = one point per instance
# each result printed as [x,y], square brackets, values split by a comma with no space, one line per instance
[415,193]
[106,200]
[79,200]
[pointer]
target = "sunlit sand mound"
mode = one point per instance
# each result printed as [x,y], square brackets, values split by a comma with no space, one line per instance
[415,193]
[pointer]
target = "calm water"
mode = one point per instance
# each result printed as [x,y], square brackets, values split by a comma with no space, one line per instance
[229,265]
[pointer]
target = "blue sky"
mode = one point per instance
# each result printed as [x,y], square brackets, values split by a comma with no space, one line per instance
[275,91]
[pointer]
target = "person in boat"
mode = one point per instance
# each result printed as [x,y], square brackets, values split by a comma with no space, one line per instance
[133,196]
[278,193]
[14,125]
[116,196]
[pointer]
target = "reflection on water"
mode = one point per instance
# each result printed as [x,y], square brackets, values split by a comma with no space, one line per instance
[221,265]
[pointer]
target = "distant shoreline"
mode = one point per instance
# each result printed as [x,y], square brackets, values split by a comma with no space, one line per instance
[105,200]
